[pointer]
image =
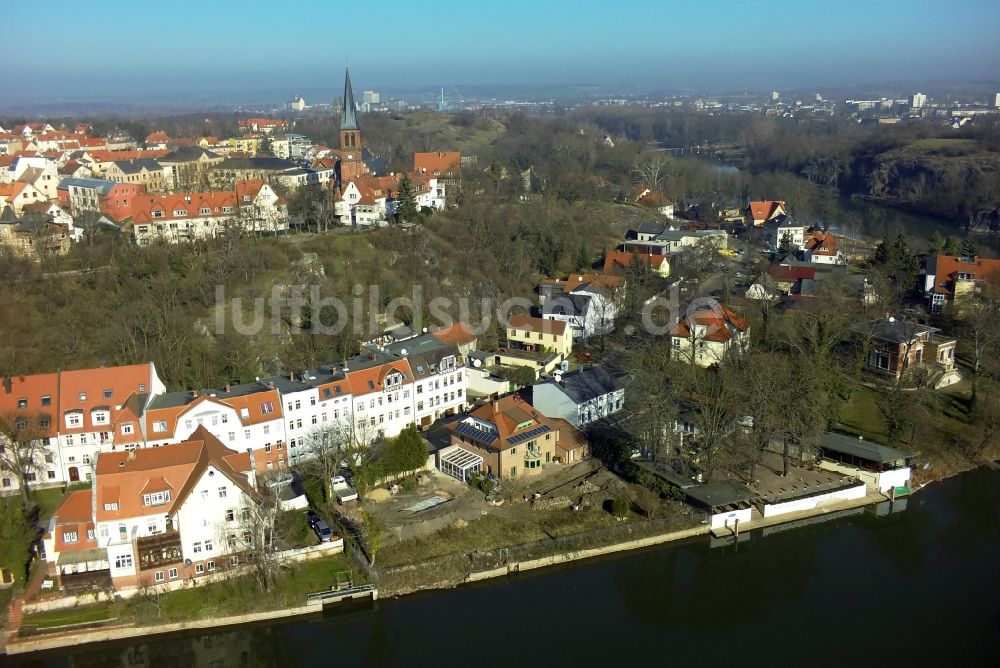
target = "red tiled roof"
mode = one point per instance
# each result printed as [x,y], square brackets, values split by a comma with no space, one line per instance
[765,209]
[532,324]
[786,273]
[122,477]
[624,259]
[438,163]
[822,243]
[947,268]
[718,321]
[142,208]
[457,334]
[75,515]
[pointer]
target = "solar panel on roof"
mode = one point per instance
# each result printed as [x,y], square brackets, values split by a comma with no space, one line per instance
[531,433]
[475,434]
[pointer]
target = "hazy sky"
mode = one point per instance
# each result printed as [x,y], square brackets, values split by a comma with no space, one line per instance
[65,50]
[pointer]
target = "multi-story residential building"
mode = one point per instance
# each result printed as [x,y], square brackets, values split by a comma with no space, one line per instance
[252,207]
[951,279]
[156,516]
[187,167]
[99,196]
[776,230]
[706,336]
[895,345]
[439,382]
[75,415]
[538,334]
[247,416]
[144,171]
[508,438]
[580,397]
[18,195]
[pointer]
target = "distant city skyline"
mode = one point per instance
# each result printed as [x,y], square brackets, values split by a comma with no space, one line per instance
[121,51]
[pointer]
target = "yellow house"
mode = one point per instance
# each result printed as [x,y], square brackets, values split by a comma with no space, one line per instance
[249,144]
[538,334]
[508,438]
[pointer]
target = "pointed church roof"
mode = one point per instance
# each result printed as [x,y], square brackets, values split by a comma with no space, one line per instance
[348,113]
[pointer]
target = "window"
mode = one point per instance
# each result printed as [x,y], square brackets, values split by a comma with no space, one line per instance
[159,426]
[234,561]
[204,211]
[180,212]
[267,447]
[127,429]
[246,434]
[196,547]
[83,396]
[158,576]
[173,573]
[267,408]
[208,546]
[199,569]
[230,515]
[22,403]
[211,566]
[108,394]
[46,400]
[204,495]
[111,506]
[155,498]
[188,424]
[51,475]
[124,561]
[267,429]
[69,536]
[74,419]
[232,436]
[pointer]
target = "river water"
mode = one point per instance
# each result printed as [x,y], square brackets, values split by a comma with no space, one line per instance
[919,586]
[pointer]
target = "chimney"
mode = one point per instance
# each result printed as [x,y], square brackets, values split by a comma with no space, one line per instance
[291,375]
[131,455]
[229,388]
[496,405]
[194,393]
[7,387]
[253,468]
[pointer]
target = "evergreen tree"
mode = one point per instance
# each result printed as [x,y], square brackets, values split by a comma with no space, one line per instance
[967,246]
[406,201]
[785,247]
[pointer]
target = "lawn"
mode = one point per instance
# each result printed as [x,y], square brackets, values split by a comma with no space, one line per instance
[861,415]
[495,531]
[81,614]
[48,500]
[239,595]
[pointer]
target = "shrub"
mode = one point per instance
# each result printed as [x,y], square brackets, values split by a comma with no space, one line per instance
[620,506]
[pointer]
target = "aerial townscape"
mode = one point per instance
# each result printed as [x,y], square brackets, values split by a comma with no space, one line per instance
[271,356]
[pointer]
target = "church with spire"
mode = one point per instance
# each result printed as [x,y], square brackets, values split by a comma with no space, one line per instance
[351,163]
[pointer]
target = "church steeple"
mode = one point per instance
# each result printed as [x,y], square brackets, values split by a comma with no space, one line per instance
[350,131]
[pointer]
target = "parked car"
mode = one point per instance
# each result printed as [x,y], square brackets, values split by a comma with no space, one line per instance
[323,531]
[313,519]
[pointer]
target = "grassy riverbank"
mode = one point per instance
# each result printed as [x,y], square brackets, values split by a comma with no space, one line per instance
[229,597]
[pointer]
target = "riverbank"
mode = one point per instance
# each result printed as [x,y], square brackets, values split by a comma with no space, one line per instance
[50,641]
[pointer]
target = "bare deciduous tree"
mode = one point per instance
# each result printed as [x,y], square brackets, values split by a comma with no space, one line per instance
[22,448]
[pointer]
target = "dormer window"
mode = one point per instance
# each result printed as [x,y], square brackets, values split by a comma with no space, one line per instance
[100,417]
[267,408]
[74,419]
[22,403]
[156,498]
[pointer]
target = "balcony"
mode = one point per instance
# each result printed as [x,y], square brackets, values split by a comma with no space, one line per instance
[158,550]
